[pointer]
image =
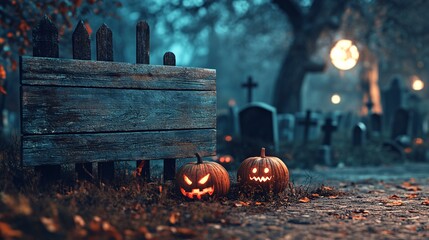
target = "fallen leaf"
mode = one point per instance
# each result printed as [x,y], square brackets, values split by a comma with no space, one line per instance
[411,195]
[304,200]
[258,203]
[410,186]
[78,220]
[315,195]
[145,232]
[19,205]
[50,224]
[333,196]
[241,204]
[326,188]
[6,231]
[394,203]
[174,217]
[425,202]
[358,217]
[395,197]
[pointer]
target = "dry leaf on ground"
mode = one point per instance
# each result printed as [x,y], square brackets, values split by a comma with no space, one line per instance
[304,200]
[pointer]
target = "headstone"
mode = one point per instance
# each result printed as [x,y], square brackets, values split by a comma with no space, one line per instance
[250,84]
[401,123]
[258,127]
[286,123]
[376,124]
[391,100]
[306,126]
[359,135]
[233,118]
[413,102]
[328,128]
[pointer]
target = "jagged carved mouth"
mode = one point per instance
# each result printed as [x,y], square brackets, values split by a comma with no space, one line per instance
[197,192]
[261,179]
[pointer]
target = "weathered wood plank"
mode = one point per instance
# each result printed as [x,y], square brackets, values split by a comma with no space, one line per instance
[104,46]
[170,163]
[45,39]
[49,110]
[82,73]
[82,50]
[100,147]
[45,44]
[104,40]
[142,42]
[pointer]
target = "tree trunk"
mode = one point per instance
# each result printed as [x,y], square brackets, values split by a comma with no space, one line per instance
[287,91]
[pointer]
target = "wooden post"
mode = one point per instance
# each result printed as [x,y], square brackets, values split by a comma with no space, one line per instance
[82,50]
[104,42]
[45,44]
[142,57]
[169,164]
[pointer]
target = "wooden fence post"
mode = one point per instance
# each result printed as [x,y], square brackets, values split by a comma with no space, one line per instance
[82,50]
[45,44]
[169,164]
[104,42]
[142,57]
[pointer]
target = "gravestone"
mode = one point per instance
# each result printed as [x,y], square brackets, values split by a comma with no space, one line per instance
[306,126]
[328,128]
[359,135]
[401,123]
[233,118]
[376,124]
[258,128]
[286,123]
[249,85]
[416,123]
[391,100]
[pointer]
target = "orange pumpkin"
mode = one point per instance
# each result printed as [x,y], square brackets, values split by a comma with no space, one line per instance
[201,179]
[264,172]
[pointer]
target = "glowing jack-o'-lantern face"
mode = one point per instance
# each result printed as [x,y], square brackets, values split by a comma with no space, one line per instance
[268,173]
[196,180]
[260,175]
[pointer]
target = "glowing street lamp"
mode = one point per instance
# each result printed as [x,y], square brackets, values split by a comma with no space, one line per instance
[344,55]
[418,85]
[335,99]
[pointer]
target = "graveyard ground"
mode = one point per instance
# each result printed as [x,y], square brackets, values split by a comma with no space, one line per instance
[387,202]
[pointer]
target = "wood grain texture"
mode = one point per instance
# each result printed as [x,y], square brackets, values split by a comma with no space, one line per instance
[102,147]
[45,39]
[48,110]
[82,50]
[142,42]
[104,43]
[81,42]
[80,73]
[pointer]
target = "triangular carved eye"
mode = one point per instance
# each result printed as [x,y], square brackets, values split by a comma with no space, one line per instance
[187,180]
[204,179]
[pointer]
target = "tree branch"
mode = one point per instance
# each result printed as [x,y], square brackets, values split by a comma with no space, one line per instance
[312,66]
[292,11]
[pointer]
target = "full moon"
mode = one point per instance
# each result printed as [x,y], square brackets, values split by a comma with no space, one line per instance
[335,99]
[418,85]
[344,55]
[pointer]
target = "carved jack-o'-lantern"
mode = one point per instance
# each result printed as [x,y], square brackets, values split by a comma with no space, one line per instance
[199,179]
[268,173]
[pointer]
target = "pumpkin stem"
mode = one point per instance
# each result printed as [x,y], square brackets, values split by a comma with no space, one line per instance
[199,158]
[262,152]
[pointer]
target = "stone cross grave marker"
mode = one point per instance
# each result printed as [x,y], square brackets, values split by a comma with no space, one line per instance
[250,84]
[258,127]
[306,126]
[286,123]
[328,128]
[359,135]
[401,123]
